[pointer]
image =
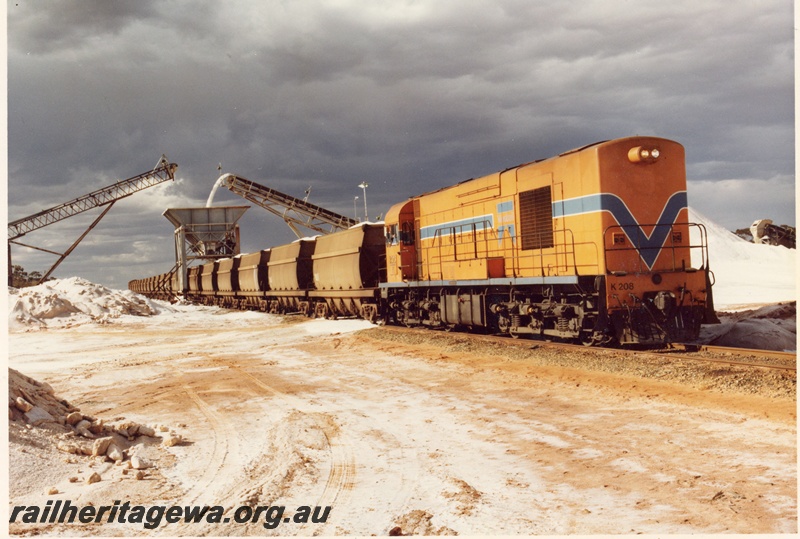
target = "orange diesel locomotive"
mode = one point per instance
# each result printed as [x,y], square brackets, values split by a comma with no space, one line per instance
[592,245]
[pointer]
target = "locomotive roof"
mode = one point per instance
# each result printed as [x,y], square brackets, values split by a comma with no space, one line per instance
[575,150]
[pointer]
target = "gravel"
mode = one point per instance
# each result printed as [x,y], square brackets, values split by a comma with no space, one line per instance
[698,374]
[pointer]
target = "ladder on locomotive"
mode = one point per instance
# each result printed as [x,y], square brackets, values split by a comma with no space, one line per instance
[106,196]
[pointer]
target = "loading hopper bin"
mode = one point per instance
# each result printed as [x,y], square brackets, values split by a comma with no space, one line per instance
[207,233]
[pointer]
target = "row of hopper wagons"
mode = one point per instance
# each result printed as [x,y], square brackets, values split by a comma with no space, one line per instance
[334,275]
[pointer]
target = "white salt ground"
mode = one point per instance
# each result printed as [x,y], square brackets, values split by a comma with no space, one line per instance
[747,275]
[382,439]
[387,440]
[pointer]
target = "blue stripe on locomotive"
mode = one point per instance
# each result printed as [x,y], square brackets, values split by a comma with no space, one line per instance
[481,223]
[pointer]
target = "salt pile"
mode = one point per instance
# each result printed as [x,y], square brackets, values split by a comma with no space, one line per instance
[746,275]
[74,301]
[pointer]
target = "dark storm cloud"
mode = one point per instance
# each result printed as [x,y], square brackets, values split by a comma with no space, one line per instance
[409,96]
[72,24]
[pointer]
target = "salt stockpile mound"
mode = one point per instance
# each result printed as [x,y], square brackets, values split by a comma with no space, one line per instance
[74,301]
[754,291]
[747,275]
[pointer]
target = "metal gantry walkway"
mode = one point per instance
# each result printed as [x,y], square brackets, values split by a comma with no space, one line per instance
[106,196]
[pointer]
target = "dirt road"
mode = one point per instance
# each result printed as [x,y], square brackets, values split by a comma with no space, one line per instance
[398,436]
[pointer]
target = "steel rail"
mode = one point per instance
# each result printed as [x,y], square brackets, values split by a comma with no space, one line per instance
[777,354]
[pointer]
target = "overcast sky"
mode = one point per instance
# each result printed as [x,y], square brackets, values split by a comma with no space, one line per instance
[408,96]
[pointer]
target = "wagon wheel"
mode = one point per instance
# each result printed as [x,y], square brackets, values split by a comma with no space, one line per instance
[369,313]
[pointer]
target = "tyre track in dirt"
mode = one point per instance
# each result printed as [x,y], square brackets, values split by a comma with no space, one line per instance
[222,461]
[341,478]
[219,468]
[390,443]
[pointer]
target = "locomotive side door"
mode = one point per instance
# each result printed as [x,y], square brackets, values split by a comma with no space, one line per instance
[408,250]
[401,243]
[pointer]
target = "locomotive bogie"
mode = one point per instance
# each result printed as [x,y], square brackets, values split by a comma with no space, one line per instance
[548,311]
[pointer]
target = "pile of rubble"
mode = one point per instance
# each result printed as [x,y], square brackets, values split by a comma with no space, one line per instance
[34,403]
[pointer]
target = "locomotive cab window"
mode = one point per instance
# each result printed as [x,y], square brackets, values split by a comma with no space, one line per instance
[391,235]
[536,218]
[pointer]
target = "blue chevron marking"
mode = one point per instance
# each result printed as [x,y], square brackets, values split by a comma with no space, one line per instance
[648,246]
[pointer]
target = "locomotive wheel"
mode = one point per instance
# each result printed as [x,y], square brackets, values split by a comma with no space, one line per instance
[402,319]
[596,338]
[504,324]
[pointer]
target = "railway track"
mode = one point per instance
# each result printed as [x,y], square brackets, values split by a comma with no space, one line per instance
[744,357]
[785,360]
[737,351]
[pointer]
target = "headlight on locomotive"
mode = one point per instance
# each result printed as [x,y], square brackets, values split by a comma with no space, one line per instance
[640,154]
